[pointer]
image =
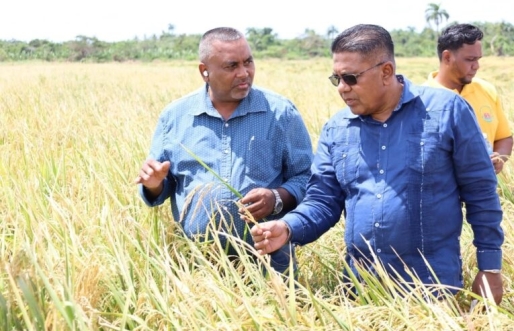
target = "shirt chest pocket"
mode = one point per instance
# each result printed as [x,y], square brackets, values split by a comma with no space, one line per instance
[263,160]
[346,160]
[426,153]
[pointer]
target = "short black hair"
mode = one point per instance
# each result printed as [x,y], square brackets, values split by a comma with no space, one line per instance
[366,39]
[455,36]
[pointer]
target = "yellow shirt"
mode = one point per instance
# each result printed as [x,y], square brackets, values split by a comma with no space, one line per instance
[484,99]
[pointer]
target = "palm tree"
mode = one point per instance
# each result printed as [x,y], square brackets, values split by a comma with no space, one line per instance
[434,13]
[331,32]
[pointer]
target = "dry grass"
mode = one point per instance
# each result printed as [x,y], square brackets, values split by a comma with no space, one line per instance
[80,251]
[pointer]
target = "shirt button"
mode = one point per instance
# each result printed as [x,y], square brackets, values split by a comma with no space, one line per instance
[381,171]
[377,225]
[422,143]
[344,155]
[379,250]
[379,196]
[383,147]
[225,151]
[225,179]
[385,125]
[226,125]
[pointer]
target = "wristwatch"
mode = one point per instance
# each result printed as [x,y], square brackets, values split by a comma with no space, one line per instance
[493,271]
[278,202]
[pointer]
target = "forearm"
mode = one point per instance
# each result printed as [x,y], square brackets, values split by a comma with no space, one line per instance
[155,197]
[294,190]
[320,210]
[504,147]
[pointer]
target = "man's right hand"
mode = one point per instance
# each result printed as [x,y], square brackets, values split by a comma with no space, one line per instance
[270,236]
[152,174]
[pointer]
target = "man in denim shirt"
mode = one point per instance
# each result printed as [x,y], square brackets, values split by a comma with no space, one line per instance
[254,140]
[399,161]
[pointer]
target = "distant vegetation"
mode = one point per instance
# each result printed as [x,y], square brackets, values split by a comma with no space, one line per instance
[498,41]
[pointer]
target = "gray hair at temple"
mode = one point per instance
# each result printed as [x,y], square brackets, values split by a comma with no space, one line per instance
[366,39]
[221,33]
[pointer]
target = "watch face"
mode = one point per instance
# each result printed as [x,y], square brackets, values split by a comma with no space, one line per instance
[279,206]
[278,203]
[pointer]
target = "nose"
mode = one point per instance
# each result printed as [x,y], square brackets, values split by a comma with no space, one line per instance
[242,72]
[343,87]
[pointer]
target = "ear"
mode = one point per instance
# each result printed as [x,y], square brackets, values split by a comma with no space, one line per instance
[446,57]
[387,72]
[203,71]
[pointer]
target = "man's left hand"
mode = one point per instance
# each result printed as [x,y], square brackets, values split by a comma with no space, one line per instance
[497,161]
[491,280]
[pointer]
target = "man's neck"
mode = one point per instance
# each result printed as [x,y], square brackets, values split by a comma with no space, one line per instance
[391,104]
[447,82]
[224,108]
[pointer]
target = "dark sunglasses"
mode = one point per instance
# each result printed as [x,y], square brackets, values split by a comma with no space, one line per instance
[350,79]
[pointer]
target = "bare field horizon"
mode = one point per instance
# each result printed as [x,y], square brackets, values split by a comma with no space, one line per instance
[79,250]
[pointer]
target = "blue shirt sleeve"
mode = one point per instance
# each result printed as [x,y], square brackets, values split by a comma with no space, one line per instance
[324,203]
[298,156]
[477,183]
[157,153]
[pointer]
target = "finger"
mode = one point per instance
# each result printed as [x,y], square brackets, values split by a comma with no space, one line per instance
[247,219]
[144,176]
[261,244]
[158,166]
[147,169]
[244,200]
[138,180]
[244,206]
[165,166]
[256,232]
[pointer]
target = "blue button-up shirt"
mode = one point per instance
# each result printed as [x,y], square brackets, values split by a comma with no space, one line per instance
[263,144]
[400,184]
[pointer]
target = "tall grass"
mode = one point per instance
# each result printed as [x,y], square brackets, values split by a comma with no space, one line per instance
[80,251]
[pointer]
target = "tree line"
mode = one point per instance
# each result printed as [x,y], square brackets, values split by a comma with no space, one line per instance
[498,41]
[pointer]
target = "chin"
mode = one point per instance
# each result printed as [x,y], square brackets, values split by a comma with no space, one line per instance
[357,111]
[239,96]
[465,80]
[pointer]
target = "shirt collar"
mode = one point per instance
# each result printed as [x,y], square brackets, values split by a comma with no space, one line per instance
[205,105]
[408,93]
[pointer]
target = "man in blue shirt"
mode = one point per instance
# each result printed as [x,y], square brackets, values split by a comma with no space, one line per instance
[254,141]
[398,161]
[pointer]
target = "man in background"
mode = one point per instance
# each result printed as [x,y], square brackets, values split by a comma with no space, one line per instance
[459,49]
[252,139]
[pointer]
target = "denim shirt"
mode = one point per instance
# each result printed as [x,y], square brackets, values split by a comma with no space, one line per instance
[401,184]
[263,144]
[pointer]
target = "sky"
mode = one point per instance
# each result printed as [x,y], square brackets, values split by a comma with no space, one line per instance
[116,20]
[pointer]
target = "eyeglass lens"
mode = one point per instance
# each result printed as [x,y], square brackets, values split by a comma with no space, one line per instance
[350,79]
[347,79]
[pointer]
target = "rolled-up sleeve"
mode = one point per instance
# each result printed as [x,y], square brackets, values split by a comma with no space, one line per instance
[157,153]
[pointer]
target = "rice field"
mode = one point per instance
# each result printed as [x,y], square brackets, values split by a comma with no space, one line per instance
[79,250]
